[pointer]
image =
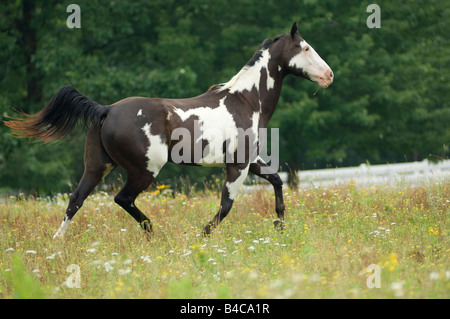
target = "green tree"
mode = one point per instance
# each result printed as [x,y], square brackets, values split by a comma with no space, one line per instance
[389,101]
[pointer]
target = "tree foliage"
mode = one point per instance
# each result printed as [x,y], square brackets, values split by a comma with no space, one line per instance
[389,101]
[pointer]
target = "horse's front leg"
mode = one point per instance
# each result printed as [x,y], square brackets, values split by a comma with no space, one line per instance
[274,179]
[236,175]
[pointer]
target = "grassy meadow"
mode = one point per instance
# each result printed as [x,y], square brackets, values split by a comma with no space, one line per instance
[331,236]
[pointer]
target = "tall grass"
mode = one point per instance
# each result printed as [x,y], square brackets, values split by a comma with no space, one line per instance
[332,235]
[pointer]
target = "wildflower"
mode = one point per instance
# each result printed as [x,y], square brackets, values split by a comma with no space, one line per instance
[434,275]
[124,271]
[397,287]
[146,258]
[91,250]
[52,256]
[108,266]
[128,261]
[31,252]
[251,248]
[9,249]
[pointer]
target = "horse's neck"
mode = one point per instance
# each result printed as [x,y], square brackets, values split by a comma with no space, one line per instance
[260,84]
[269,100]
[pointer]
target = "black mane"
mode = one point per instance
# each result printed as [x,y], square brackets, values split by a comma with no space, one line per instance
[266,44]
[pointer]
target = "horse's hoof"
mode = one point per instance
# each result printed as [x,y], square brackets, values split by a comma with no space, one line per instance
[147,226]
[278,224]
[207,230]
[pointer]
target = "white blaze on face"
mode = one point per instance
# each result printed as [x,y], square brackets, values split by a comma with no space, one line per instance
[157,152]
[309,62]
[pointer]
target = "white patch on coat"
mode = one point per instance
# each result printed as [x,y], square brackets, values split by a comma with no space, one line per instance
[139,112]
[157,152]
[250,76]
[233,187]
[215,125]
[255,124]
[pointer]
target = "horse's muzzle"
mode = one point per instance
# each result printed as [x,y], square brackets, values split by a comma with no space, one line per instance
[326,79]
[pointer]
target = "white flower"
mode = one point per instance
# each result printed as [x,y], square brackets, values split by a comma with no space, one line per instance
[31,252]
[146,258]
[9,249]
[434,275]
[108,266]
[251,248]
[124,271]
[128,261]
[397,287]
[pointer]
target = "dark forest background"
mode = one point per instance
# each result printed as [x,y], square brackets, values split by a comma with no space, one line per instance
[389,101]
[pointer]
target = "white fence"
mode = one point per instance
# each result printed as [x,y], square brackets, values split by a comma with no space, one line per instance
[366,175]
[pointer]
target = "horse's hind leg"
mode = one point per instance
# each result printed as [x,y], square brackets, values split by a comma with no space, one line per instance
[96,165]
[136,183]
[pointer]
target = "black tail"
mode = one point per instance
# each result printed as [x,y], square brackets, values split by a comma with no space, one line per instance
[59,117]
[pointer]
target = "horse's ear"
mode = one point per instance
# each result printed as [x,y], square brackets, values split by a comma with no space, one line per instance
[294,29]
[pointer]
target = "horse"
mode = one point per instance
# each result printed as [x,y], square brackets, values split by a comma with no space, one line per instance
[138,133]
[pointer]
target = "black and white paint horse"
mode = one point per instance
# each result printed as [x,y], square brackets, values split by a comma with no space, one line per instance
[137,133]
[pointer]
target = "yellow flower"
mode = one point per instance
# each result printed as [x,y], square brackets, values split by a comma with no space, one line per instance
[391,262]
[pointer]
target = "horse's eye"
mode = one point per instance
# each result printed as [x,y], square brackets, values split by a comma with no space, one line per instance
[307,49]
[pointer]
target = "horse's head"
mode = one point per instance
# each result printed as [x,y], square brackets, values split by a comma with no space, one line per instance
[302,60]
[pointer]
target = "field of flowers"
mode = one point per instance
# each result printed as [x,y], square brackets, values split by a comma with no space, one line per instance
[332,235]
